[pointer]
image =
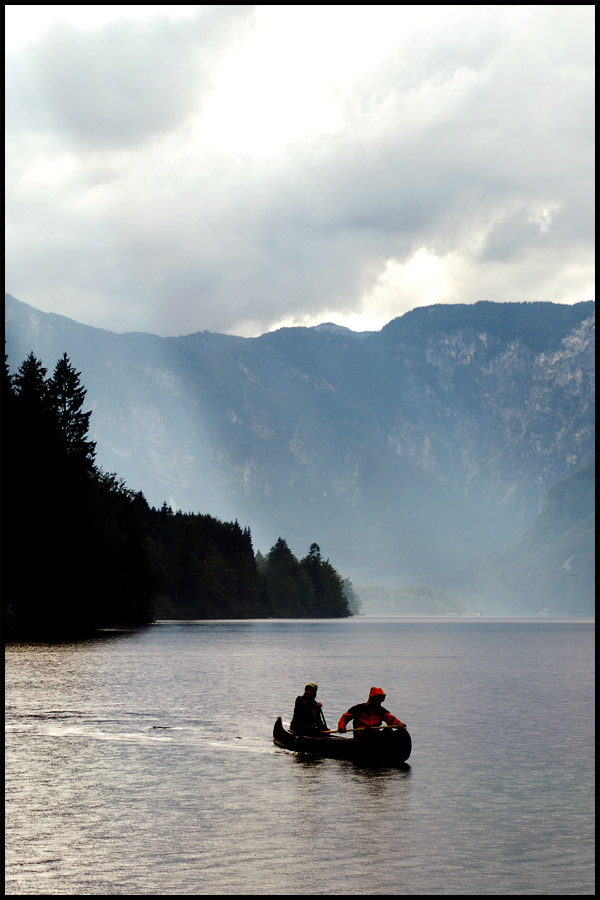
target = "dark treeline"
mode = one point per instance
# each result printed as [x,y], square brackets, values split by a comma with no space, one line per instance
[83,551]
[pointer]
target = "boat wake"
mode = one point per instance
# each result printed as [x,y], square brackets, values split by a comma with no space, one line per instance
[132,729]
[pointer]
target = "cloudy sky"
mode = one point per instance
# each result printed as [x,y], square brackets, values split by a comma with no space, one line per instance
[238,168]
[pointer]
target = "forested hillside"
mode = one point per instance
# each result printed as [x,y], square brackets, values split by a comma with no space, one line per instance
[415,450]
[414,454]
[81,550]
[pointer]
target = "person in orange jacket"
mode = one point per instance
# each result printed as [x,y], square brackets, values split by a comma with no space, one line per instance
[370,714]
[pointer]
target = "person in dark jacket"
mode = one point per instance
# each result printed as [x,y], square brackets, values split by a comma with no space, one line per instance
[369,715]
[308,712]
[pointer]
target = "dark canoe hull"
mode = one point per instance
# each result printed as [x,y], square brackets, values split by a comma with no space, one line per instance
[387,747]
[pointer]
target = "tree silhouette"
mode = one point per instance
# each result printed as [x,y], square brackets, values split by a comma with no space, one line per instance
[66,396]
[81,550]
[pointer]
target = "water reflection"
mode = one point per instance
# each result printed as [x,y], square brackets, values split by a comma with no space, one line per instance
[369,770]
[382,771]
[375,780]
[305,761]
[98,638]
[143,763]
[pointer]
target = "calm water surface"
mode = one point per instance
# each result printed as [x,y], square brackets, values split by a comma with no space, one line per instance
[142,762]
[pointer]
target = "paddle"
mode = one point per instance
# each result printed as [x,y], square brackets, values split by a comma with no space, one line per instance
[364,728]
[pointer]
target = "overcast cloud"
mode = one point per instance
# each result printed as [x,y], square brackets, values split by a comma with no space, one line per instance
[236,168]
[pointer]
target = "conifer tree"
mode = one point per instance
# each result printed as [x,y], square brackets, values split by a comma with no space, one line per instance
[7,385]
[327,584]
[66,396]
[31,389]
[33,425]
[281,559]
[95,554]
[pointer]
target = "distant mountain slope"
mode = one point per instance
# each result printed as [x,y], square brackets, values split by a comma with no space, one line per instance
[551,567]
[407,454]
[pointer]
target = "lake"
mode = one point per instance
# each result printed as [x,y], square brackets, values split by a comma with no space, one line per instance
[142,762]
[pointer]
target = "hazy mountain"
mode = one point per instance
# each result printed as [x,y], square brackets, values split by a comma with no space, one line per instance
[551,565]
[407,454]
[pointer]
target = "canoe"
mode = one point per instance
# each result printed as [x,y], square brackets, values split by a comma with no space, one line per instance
[389,747]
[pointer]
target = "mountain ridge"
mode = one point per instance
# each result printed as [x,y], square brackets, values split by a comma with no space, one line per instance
[408,453]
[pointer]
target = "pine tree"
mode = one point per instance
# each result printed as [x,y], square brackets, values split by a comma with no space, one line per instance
[7,386]
[30,382]
[281,560]
[327,584]
[66,396]
[31,391]
[28,495]
[33,425]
